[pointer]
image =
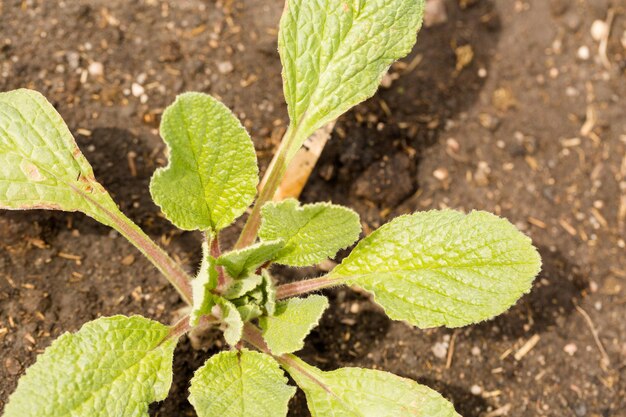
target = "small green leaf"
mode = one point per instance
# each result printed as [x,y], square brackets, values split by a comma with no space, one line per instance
[41,166]
[212,175]
[231,317]
[269,293]
[202,284]
[335,53]
[240,263]
[311,233]
[249,311]
[285,331]
[114,366]
[350,392]
[443,267]
[240,384]
[240,287]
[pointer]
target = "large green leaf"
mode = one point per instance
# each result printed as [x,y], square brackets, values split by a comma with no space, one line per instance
[311,233]
[443,267]
[113,366]
[242,262]
[40,163]
[285,331]
[335,53]
[357,392]
[212,174]
[240,384]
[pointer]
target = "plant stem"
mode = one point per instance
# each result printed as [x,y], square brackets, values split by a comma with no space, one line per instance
[270,183]
[252,335]
[309,285]
[173,272]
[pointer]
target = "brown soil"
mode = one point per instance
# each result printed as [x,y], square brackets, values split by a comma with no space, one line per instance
[501,134]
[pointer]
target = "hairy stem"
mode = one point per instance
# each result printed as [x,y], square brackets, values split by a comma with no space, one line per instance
[294,289]
[270,183]
[172,271]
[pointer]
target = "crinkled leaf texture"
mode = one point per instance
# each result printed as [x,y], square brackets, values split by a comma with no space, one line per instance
[114,366]
[285,331]
[443,267]
[335,53]
[242,262]
[240,384]
[350,392]
[40,163]
[212,174]
[312,232]
[231,318]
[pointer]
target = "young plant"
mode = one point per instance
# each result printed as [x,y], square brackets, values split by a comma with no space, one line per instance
[435,268]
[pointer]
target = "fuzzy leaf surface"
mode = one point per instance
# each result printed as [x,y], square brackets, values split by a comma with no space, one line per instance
[351,392]
[114,366]
[231,317]
[41,166]
[242,262]
[335,53]
[212,174]
[443,267]
[293,320]
[312,232]
[240,384]
[202,284]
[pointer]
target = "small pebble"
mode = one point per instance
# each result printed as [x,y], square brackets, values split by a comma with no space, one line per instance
[599,30]
[225,67]
[440,350]
[570,349]
[12,366]
[95,69]
[475,351]
[441,174]
[476,390]
[137,90]
[583,53]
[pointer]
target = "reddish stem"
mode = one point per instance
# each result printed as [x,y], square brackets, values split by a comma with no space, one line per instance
[294,289]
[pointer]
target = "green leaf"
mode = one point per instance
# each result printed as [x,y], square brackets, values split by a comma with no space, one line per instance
[311,233]
[41,166]
[202,284]
[212,175]
[443,267]
[231,318]
[335,53]
[240,287]
[285,331]
[351,392]
[240,263]
[240,384]
[113,366]
[269,293]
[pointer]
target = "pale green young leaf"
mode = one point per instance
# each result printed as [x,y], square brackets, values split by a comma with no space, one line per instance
[242,286]
[242,262]
[335,53]
[351,392]
[285,331]
[114,366]
[212,174]
[231,318]
[41,166]
[201,286]
[312,232]
[443,267]
[240,384]
[269,293]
